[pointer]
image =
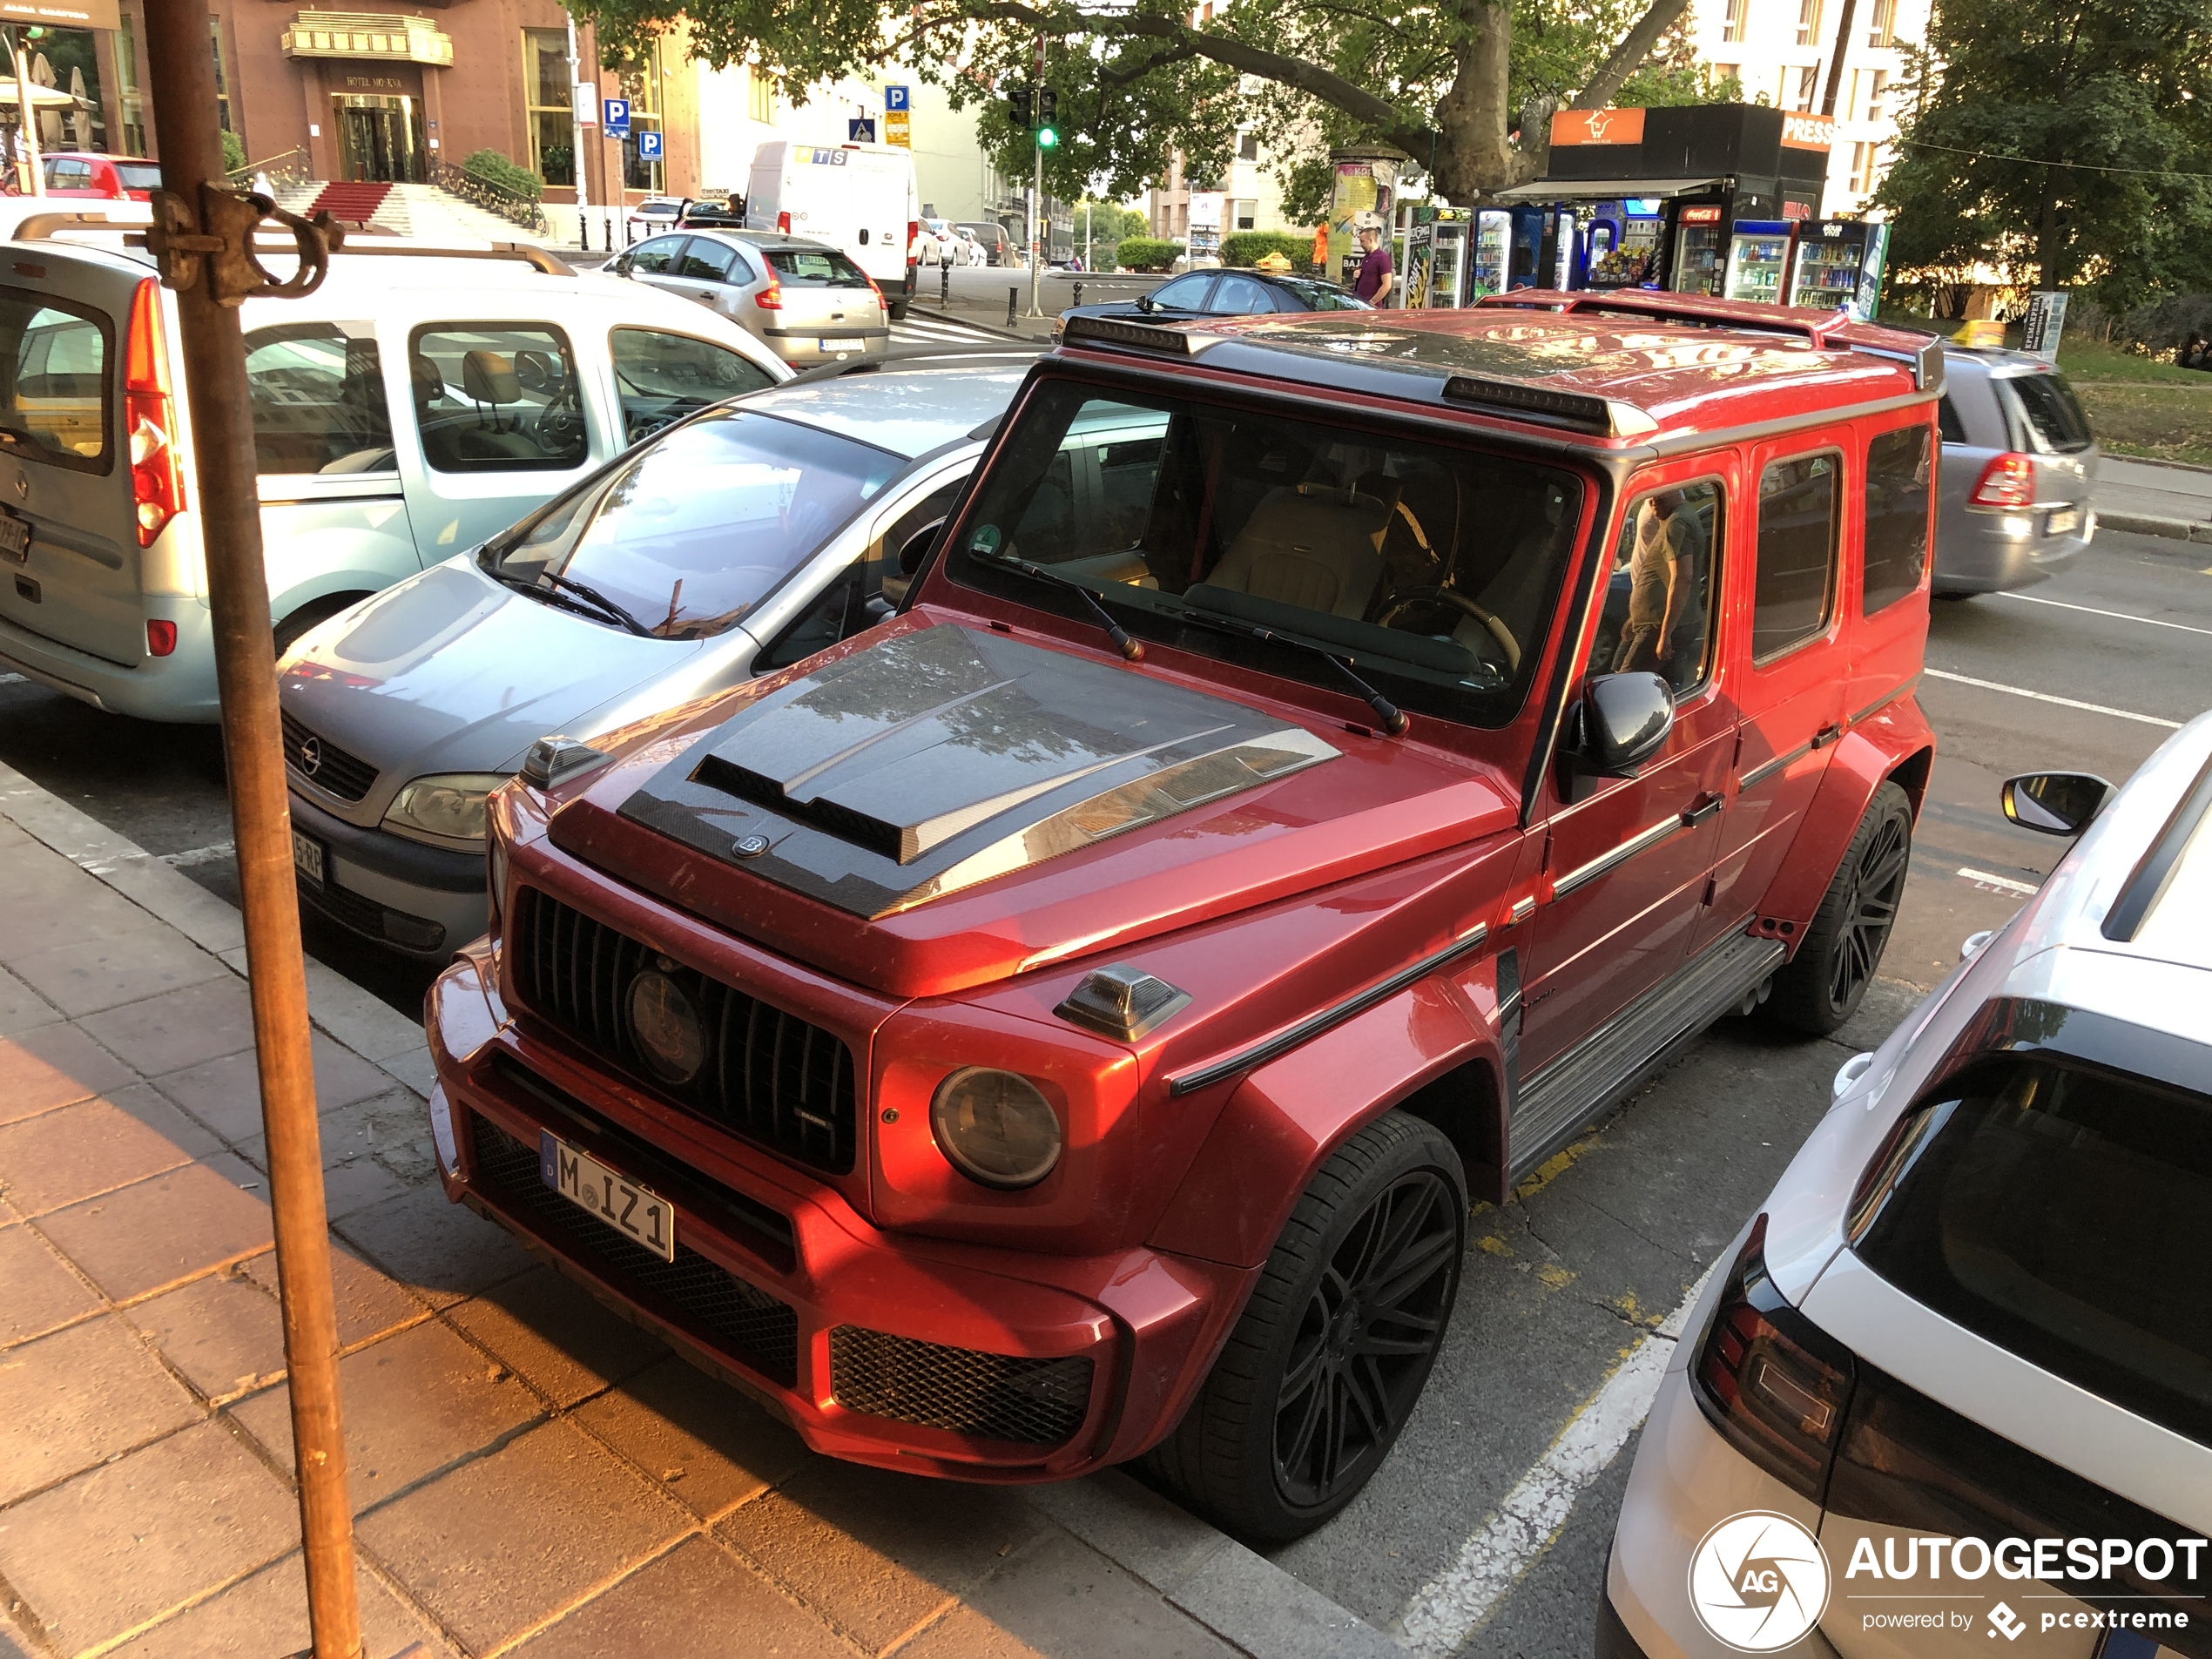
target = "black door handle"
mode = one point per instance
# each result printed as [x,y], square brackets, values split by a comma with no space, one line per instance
[1826,735]
[1698,813]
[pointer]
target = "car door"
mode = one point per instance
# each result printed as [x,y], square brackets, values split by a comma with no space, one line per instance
[1625,859]
[654,262]
[1889,625]
[1789,663]
[701,272]
[1180,297]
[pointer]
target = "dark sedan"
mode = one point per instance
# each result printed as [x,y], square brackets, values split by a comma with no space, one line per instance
[1221,293]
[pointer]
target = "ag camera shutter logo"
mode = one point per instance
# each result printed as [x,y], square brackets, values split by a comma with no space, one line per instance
[1758,1582]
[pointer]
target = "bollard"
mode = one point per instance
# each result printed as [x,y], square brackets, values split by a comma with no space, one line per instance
[1079,294]
[944,286]
[1013,298]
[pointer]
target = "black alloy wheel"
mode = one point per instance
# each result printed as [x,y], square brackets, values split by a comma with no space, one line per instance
[1827,979]
[1331,1351]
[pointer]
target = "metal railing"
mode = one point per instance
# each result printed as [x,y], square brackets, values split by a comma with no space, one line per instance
[287,167]
[517,209]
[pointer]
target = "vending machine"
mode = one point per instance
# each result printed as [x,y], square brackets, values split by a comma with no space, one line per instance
[1447,282]
[1700,257]
[1758,261]
[1829,257]
[1490,263]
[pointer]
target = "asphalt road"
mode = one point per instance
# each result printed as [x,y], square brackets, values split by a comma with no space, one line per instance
[1568,1276]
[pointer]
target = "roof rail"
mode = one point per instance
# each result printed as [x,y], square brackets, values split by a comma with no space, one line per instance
[41,228]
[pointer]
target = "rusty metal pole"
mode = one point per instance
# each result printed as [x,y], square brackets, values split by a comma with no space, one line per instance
[182,75]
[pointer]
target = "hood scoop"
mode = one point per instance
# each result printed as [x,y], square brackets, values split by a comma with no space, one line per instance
[946,756]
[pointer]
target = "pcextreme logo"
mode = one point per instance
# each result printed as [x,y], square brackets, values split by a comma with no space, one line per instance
[1758,1582]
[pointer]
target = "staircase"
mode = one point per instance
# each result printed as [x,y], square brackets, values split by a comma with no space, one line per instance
[423,212]
[351,204]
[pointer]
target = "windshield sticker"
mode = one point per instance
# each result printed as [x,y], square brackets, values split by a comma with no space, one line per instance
[985,541]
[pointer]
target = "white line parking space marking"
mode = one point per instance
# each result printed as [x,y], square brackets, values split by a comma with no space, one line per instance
[1454,1604]
[2045,696]
[198,855]
[11,679]
[2003,882]
[2123,616]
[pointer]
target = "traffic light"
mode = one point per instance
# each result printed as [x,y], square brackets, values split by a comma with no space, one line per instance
[1048,117]
[1021,105]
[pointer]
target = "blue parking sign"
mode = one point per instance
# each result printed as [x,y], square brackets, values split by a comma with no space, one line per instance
[617,119]
[648,145]
[894,98]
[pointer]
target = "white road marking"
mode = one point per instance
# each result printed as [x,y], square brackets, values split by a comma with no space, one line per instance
[2123,616]
[198,855]
[11,679]
[2003,881]
[2045,696]
[1454,1604]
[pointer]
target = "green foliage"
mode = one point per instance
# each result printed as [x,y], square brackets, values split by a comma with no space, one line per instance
[1109,222]
[233,150]
[1146,254]
[1247,248]
[492,168]
[2035,139]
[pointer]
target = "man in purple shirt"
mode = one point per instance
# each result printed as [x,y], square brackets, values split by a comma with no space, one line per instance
[1376,275]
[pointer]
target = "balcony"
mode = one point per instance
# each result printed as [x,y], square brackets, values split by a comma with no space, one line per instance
[384,37]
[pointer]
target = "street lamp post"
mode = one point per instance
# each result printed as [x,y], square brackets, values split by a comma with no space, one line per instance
[1036,198]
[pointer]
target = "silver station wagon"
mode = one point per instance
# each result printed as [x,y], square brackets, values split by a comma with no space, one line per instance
[736,543]
[419,402]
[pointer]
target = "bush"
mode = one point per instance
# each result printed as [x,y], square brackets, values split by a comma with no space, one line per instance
[1146,254]
[1247,248]
[492,168]
[234,152]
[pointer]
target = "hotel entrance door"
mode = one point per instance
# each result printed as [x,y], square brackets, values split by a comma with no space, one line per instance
[380,138]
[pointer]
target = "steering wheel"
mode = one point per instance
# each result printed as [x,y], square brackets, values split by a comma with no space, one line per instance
[560,423]
[1412,597]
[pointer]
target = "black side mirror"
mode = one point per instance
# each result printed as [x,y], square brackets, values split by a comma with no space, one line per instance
[917,547]
[619,266]
[2055,803]
[1622,722]
[1144,303]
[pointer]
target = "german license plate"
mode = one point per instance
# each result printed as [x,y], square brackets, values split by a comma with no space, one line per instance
[840,345]
[306,857]
[631,1210]
[15,538]
[2062,521]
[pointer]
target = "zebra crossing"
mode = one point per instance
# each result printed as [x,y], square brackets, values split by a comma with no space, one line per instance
[921,327]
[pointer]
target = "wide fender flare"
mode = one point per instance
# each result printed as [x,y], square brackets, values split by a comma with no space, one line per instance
[1285,1119]
[1863,759]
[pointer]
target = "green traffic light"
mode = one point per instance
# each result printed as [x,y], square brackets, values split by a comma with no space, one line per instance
[1047,137]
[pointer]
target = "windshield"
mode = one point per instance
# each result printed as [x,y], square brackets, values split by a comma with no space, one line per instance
[1322,296]
[689,536]
[1431,569]
[817,267]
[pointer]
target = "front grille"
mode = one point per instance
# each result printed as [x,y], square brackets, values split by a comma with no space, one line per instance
[992,1396]
[762,1330]
[769,1075]
[334,771]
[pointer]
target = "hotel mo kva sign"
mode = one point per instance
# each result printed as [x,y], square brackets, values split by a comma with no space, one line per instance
[1597,126]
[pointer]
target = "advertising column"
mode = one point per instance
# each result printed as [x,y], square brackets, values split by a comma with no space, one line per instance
[1365,193]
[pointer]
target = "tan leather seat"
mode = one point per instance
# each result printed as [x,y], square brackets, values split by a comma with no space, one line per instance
[1315,547]
[490,377]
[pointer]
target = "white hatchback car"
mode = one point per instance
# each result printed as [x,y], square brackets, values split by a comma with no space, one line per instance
[1950,1393]
[421,399]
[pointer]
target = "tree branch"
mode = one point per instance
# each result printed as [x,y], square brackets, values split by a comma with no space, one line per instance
[1628,55]
[1120,77]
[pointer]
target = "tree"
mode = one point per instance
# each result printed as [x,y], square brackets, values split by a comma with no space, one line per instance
[1465,89]
[2064,141]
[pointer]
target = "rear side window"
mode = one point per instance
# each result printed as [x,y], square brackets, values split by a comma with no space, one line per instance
[55,359]
[656,258]
[2047,410]
[1897,515]
[138,175]
[703,262]
[319,402]
[1797,556]
[2065,1213]
[662,377]
[497,397]
[816,268]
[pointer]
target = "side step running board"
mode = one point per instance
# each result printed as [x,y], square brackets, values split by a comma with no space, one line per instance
[1551,1106]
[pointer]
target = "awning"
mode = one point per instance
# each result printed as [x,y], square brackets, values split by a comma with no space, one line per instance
[42,97]
[1562,190]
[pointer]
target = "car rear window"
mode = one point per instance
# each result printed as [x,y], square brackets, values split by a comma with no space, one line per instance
[809,267]
[55,379]
[139,175]
[2064,1212]
[2044,405]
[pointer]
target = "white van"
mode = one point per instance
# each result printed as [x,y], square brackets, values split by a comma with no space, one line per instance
[861,198]
[418,401]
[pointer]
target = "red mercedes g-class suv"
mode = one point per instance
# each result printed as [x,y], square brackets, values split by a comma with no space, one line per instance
[1319,767]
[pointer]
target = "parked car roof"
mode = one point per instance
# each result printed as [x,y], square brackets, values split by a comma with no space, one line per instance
[908,411]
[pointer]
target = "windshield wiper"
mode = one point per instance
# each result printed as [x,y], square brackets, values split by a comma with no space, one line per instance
[596,597]
[1128,648]
[1391,717]
[597,606]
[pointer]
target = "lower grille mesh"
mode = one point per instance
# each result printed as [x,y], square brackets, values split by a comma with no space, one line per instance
[763,1331]
[992,1396]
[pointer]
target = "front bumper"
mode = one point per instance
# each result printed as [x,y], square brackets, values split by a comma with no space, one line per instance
[921,1355]
[421,901]
[1991,552]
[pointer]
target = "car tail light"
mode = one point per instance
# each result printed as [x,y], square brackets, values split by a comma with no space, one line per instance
[875,290]
[772,297]
[161,638]
[1772,1382]
[913,229]
[149,415]
[783,223]
[2008,482]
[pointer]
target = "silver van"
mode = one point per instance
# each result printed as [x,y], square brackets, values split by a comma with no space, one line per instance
[2018,461]
[418,402]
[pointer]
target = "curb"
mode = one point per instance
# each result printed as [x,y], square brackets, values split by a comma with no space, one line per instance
[2173,530]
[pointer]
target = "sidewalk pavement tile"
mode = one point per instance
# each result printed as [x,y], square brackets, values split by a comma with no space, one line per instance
[223,1333]
[167,1033]
[52,903]
[712,1447]
[1162,1544]
[225,1094]
[40,1294]
[1060,1600]
[369,1303]
[88,976]
[75,1398]
[54,1066]
[443,1250]
[123,1543]
[505,1542]
[372,1150]
[265,1617]
[61,1156]
[22,1008]
[414,1403]
[876,1553]
[555,1335]
[696,1599]
[166,1229]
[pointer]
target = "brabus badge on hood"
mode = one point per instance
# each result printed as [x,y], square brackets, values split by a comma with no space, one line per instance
[749,847]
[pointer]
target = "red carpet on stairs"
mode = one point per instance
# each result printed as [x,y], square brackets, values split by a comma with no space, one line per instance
[355,204]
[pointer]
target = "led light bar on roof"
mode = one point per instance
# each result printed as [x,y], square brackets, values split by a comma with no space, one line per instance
[1143,336]
[1580,411]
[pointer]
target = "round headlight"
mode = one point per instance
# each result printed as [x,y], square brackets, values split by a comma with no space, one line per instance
[666,1027]
[996,1127]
